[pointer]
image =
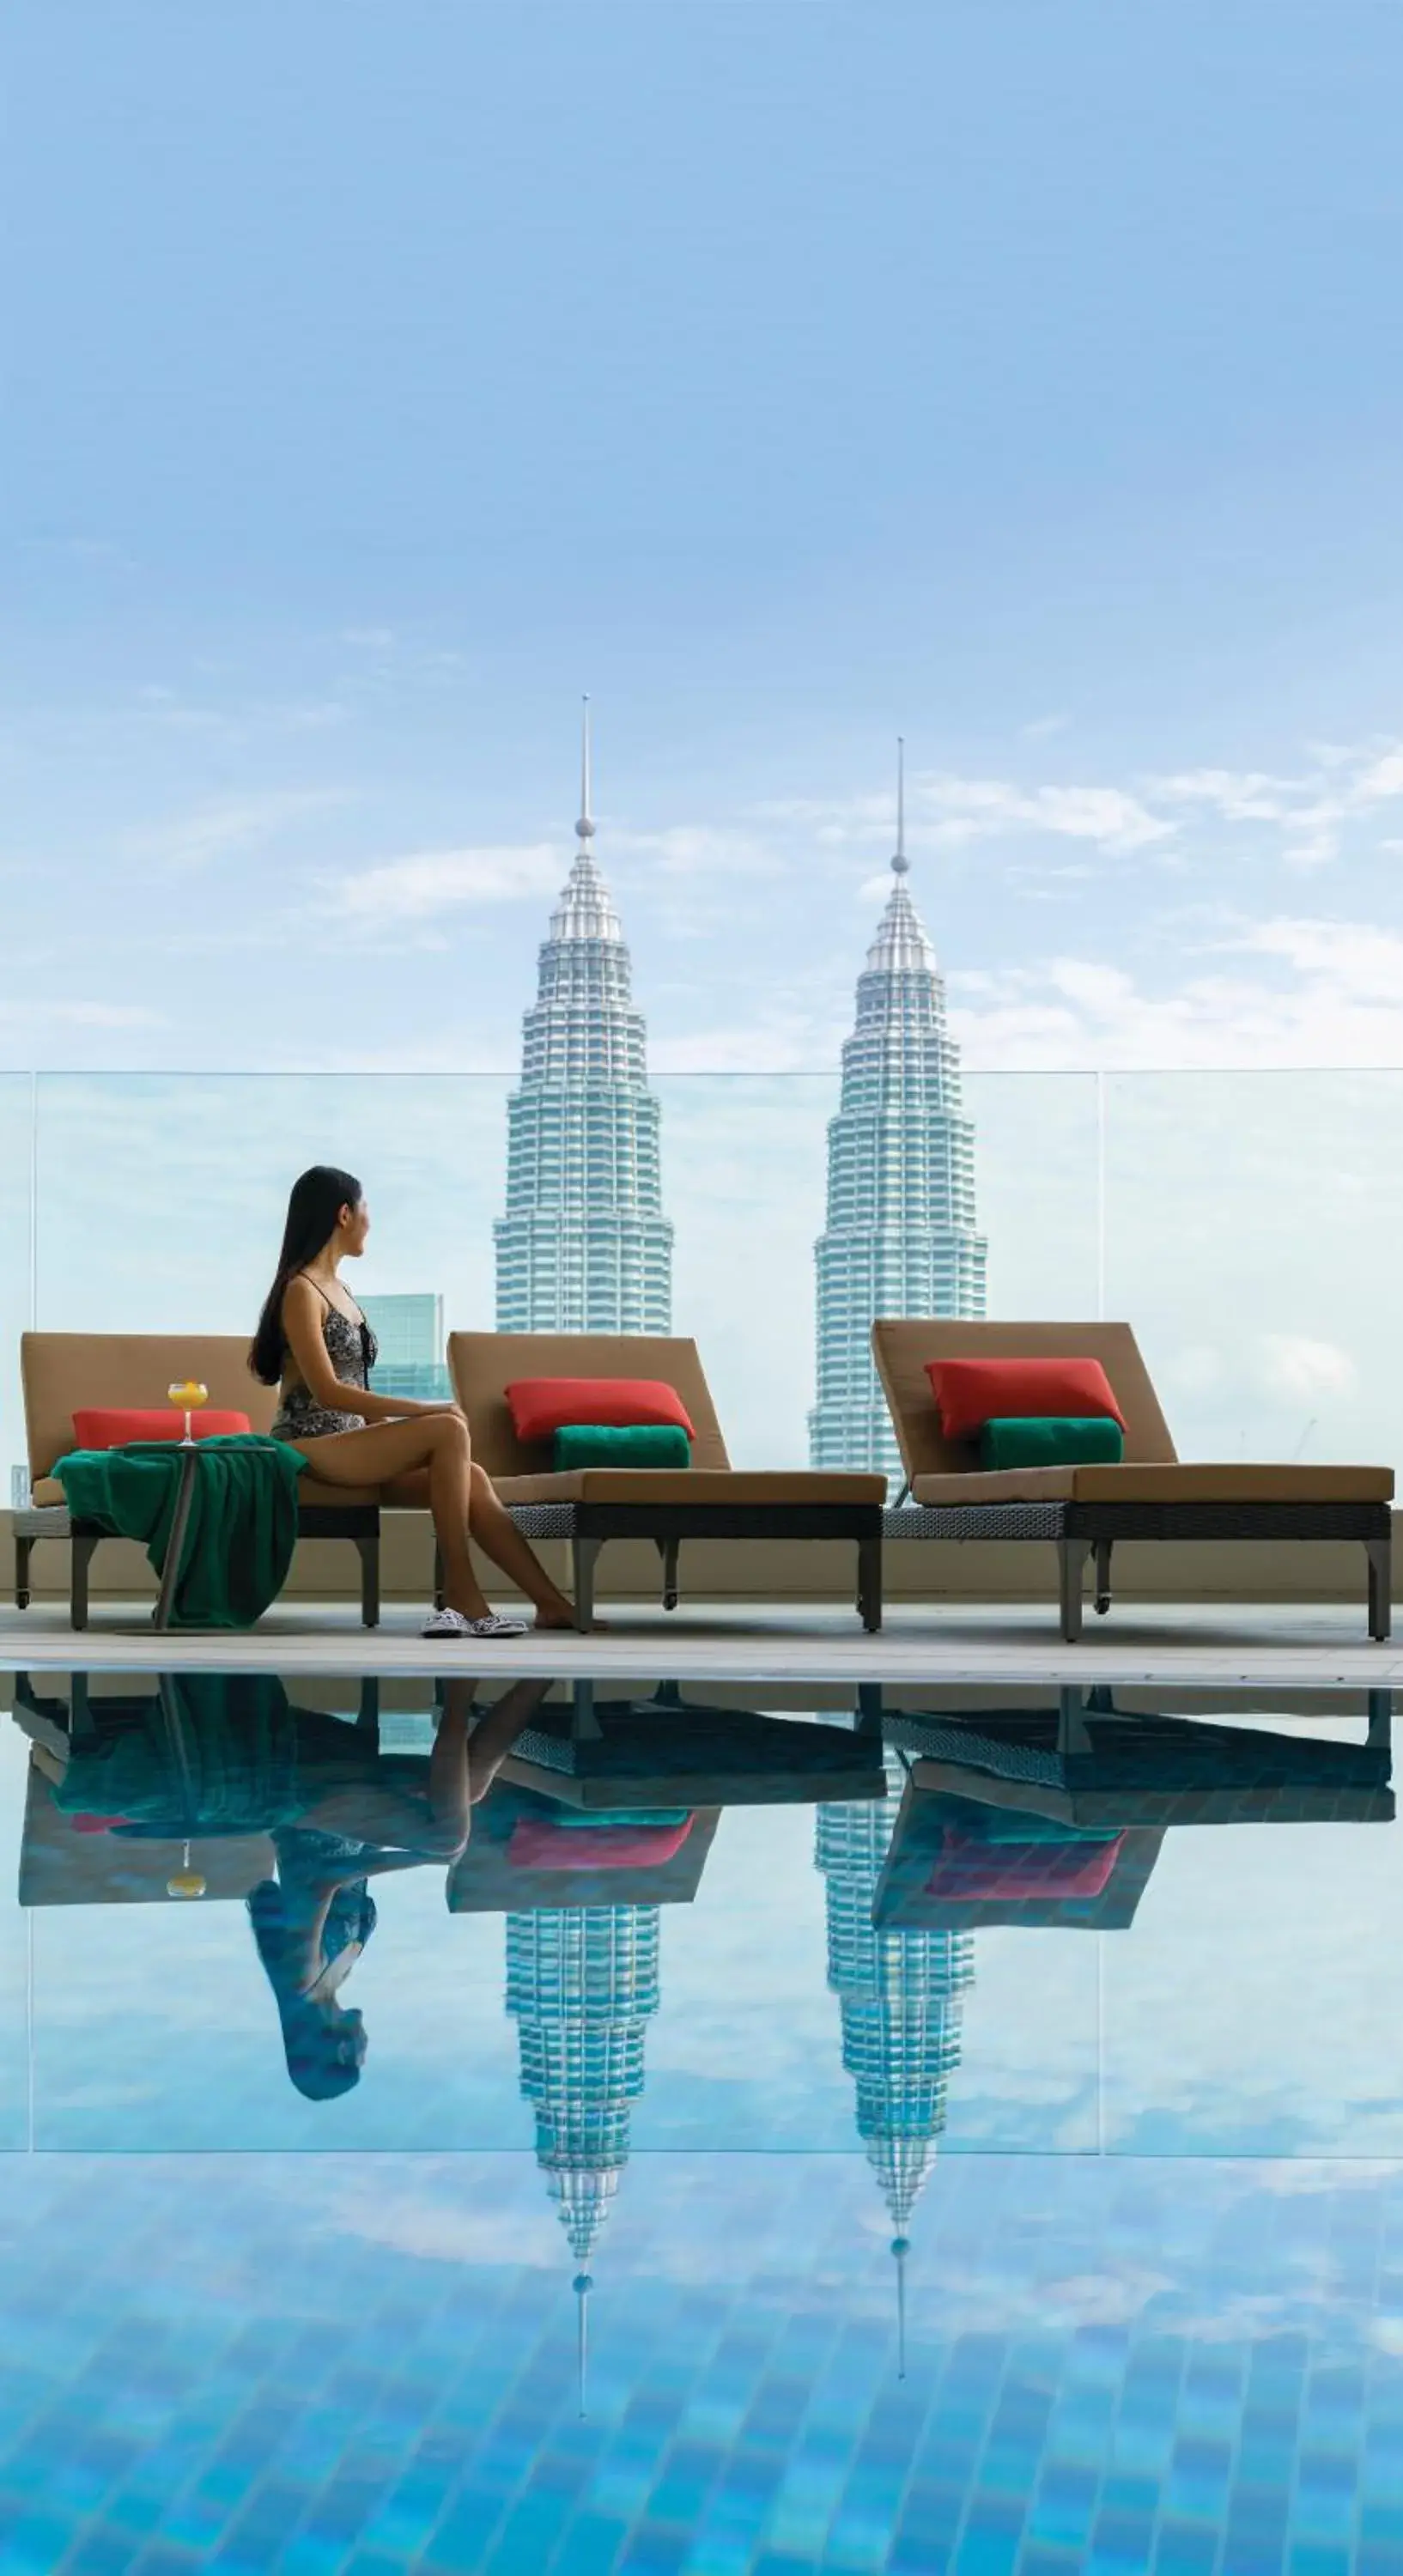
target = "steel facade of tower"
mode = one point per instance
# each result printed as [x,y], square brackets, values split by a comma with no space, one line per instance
[900,1999]
[583,1245]
[582,1985]
[900,1236]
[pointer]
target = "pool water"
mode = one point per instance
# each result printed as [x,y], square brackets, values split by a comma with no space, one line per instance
[727,2130]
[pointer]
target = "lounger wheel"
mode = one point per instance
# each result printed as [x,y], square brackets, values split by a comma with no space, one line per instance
[21,1600]
[1102,1577]
[668,1550]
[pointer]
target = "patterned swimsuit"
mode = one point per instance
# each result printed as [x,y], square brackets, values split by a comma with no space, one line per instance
[351,1349]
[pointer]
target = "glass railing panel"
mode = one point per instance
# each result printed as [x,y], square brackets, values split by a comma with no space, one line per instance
[745,1161]
[162,1196]
[1037,1191]
[16,1283]
[1253,1234]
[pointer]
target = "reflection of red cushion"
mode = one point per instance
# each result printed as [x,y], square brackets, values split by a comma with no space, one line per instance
[973,1392]
[977,1871]
[97,1824]
[541,1406]
[536,1843]
[96,1427]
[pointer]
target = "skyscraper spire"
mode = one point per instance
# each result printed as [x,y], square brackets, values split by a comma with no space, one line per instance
[584,829]
[583,1245]
[900,1237]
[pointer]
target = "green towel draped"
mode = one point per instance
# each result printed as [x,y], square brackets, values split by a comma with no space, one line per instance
[243,1517]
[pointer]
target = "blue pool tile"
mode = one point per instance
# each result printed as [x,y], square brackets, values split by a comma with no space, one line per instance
[1185,2549]
[589,2546]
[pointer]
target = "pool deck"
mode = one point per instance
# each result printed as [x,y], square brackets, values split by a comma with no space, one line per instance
[1302,1647]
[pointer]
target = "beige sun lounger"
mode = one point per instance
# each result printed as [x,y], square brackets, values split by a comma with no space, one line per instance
[62,1371]
[709,1499]
[1152,1494]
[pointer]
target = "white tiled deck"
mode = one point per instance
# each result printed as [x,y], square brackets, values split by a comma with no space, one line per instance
[1017,1643]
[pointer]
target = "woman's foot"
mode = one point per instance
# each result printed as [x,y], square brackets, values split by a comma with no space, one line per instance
[555,1614]
[455,1623]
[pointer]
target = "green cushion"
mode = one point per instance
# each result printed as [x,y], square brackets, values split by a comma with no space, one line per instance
[1050,1440]
[651,1817]
[636,1444]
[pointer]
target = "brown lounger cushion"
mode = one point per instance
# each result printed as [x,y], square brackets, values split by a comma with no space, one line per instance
[64,1372]
[702,1489]
[904,1347]
[1187,1482]
[484,1365]
[325,1497]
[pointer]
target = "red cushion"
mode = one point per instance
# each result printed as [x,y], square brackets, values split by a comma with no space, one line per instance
[541,1406]
[536,1843]
[98,1427]
[975,1871]
[973,1392]
[544,1845]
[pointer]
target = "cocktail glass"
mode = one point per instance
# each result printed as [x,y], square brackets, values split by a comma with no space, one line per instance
[188,1395]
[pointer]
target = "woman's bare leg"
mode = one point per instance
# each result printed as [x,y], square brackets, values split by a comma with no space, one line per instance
[498,1537]
[437,1442]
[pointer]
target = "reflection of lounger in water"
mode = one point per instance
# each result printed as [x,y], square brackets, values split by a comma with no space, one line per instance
[216,1756]
[956,1864]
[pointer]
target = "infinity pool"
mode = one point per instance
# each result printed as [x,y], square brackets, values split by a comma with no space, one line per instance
[717,2131]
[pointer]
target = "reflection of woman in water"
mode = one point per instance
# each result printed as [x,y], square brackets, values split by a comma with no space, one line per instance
[312,1922]
[216,1755]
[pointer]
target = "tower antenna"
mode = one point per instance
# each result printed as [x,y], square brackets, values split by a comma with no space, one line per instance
[900,864]
[582,2286]
[585,827]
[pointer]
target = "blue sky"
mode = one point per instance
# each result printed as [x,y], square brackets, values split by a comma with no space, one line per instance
[1020,379]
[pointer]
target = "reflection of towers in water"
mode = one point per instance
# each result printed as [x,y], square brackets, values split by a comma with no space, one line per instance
[582,1982]
[899,1996]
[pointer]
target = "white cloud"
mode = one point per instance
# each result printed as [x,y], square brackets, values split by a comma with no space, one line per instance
[696,850]
[100,1015]
[1342,783]
[1323,993]
[978,807]
[228,824]
[945,811]
[425,883]
[1294,1365]
[1307,814]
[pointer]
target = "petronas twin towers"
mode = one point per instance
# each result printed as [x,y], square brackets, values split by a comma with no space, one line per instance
[584,1245]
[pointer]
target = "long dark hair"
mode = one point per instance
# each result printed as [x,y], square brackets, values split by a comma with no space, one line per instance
[318,1196]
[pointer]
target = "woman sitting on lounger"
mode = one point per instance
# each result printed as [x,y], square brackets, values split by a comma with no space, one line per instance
[314,1344]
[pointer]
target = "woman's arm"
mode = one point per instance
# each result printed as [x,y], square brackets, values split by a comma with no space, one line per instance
[302,1325]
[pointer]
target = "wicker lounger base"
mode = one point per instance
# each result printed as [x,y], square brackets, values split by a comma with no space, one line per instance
[358,1522]
[1080,1530]
[588,1525]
